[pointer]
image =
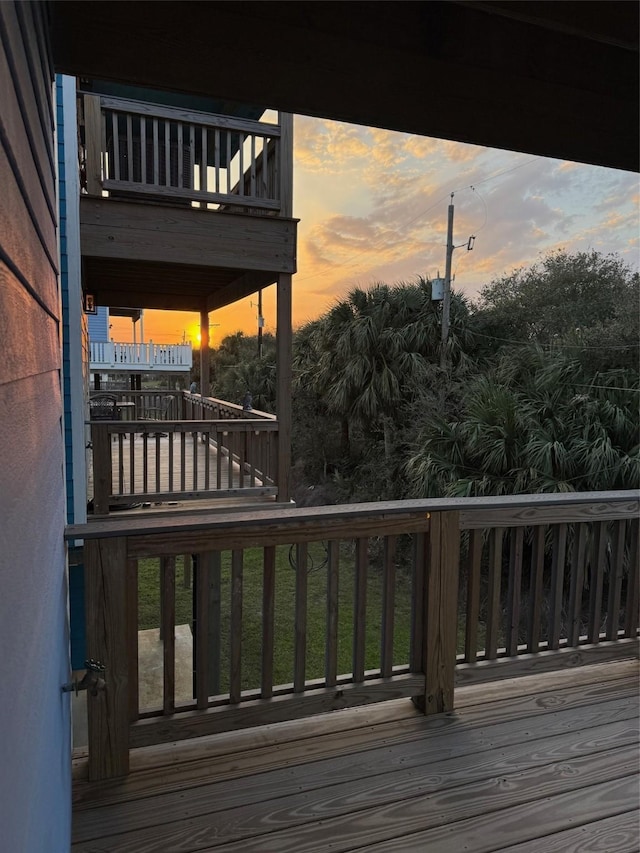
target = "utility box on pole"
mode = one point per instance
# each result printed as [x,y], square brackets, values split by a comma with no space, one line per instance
[437,289]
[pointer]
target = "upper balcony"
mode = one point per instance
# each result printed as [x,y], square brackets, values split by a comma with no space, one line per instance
[161,185]
[110,356]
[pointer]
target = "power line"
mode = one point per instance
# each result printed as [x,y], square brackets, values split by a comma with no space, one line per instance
[558,344]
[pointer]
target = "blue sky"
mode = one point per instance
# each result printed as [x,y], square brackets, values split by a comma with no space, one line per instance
[373,204]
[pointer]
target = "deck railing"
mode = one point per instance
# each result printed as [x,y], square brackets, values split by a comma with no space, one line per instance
[109,355]
[300,611]
[204,408]
[137,148]
[160,460]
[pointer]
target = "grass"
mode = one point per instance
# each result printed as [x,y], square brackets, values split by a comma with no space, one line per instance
[149,610]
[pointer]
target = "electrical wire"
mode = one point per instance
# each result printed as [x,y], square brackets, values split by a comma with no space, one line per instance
[558,344]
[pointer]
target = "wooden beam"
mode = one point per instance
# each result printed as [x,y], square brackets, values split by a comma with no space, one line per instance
[243,285]
[283,385]
[205,361]
[502,83]
[110,228]
[441,619]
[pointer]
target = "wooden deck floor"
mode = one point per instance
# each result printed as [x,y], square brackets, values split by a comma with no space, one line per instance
[543,763]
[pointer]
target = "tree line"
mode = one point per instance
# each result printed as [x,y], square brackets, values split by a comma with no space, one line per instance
[538,390]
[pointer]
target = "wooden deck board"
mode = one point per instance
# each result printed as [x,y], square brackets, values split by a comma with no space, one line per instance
[499,772]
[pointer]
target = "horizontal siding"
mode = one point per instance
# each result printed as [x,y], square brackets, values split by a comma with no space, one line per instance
[21,244]
[28,333]
[35,812]
[29,93]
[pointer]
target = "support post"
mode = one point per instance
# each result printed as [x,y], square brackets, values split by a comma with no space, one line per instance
[441,612]
[93,144]
[106,608]
[205,361]
[283,384]
[102,473]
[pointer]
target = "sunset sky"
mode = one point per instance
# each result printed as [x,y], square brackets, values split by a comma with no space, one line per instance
[373,204]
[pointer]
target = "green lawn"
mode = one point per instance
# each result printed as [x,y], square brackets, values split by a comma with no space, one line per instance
[149,597]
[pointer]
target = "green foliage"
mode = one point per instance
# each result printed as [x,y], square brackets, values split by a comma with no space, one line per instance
[236,368]
[572,301]
[536,423]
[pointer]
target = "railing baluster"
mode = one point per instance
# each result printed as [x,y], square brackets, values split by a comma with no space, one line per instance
[252,190]
[474,560]
[616,572]
[333,581]
[204,139]
[216,158]
[167,154]
[202,568]
[360,609]
[206,440]
[514,591]
[596,580]
[633,583]
[194,460]
[300,650]
[156,152]
[132,463]
[577,582]
[168,633]
[145,462]
[235,678]
[183,459]
[180,146]
[268,614]
[416,653]
[388,606]
[230,446]
[132,637]
[120,463]
[170,462]
[493,592]
[129,131]
[219,435]
[143,150]
[158,459]
[557,584]
[240,184]
[535,588]
[115,136]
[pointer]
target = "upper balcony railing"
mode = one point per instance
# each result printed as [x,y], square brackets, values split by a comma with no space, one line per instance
[168,446]
[300,611]
[137,149]
[166,358]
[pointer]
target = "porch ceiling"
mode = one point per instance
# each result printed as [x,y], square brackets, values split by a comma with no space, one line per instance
[147,284]
[553,79]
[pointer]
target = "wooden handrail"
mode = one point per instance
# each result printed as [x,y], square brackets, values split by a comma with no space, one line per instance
[470,566]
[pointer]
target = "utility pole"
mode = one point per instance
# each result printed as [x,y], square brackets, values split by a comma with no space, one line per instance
[446,299]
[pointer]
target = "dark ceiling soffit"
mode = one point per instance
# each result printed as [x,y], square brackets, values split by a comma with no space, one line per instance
[441,69]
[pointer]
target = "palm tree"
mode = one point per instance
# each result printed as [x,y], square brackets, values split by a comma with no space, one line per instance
[368,355]
[535,424]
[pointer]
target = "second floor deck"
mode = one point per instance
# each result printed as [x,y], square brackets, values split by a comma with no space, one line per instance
[182,209]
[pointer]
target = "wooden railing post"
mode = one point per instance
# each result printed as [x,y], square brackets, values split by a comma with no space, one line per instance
[93,143]
[102,475]
[440,622]
[107,620]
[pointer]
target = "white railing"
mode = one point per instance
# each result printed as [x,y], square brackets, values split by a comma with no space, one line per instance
[119,356]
